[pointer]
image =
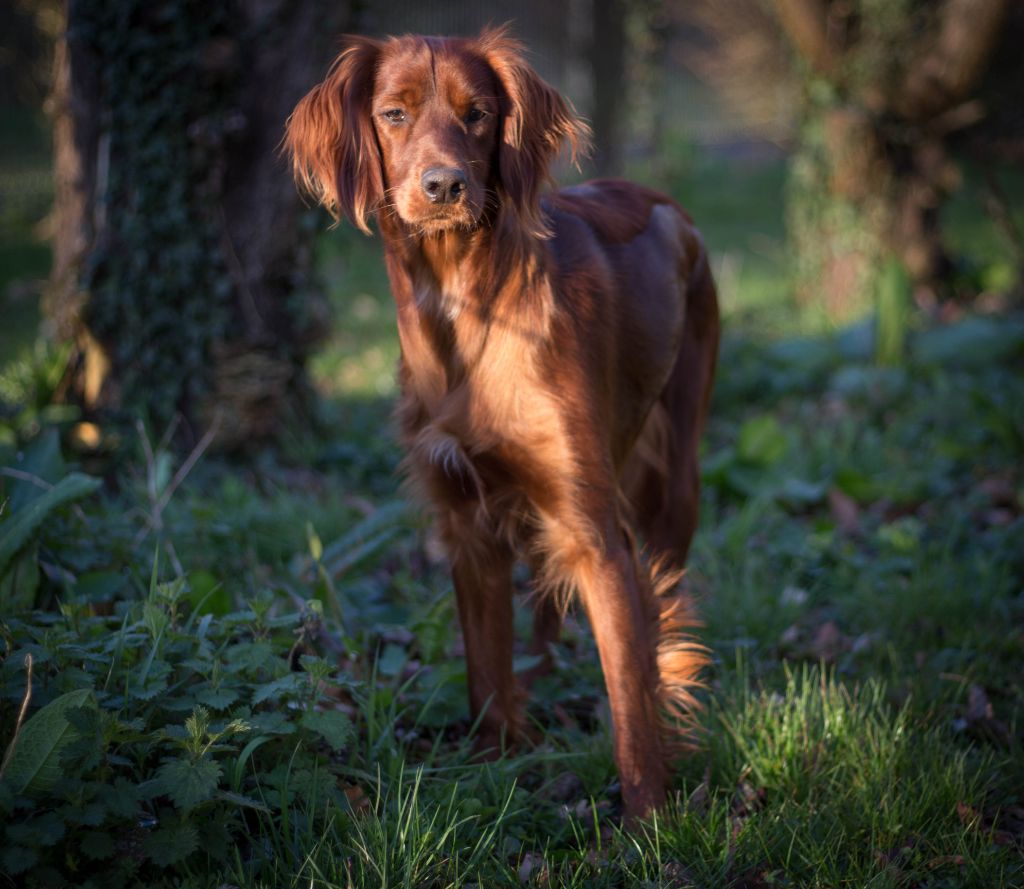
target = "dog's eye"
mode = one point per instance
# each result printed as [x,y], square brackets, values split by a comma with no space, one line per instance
[475,114]
[394,115]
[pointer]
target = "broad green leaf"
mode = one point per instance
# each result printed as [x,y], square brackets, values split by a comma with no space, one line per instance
[218,698]
[100,586]
[17,859]
[188,782]
[16,531]
[19,585]
[249,656]
[289,684]
[797,493]
[975,342]
[44,830]
[34,766]
[121,797]
[332,725]
[42,459]
[392,659]
[91,814]
[216,840]
[762,441]
[856,484]
[171,844]
[208,595]
[271,722]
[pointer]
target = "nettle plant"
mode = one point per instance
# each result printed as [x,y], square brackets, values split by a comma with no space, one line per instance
[164,738]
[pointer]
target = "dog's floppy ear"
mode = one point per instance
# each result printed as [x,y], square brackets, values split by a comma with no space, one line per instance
[536,121]
[331,140]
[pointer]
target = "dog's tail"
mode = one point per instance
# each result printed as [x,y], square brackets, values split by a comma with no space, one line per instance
[680,658]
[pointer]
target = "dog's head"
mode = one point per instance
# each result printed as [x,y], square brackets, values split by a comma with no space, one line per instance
[432,129]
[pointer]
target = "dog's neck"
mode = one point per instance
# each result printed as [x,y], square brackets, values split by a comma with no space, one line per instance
[450,288]
[458,268]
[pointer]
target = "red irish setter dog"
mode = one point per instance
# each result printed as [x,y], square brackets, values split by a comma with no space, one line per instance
[557,361]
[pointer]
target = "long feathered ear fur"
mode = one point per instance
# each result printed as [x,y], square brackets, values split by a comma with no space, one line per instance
[331,140]
[536,121]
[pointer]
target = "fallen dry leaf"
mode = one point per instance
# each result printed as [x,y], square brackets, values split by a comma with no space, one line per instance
[845,511]
[979,718]
[828,642]
[357,798]
[979,707]
[531,862]
[564,787]
[1000,490]
[791,635]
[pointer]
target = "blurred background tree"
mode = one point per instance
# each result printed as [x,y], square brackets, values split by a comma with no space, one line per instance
[880,87]
[887,83]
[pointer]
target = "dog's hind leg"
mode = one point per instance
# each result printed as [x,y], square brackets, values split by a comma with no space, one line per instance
[662,477]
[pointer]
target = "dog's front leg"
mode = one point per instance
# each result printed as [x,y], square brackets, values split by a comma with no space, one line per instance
[482,575]
[604,573]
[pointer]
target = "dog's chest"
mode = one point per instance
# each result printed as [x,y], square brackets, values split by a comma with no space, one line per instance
[487,436]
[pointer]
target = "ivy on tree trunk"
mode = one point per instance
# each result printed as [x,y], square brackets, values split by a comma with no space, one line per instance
[182,267]
[887,81]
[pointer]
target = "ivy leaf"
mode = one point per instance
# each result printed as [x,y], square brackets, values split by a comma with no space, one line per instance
[188,782]
[34,766]
[332,725]
[171,844]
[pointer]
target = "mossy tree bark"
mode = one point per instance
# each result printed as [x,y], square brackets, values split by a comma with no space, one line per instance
[181,261]
[887,82]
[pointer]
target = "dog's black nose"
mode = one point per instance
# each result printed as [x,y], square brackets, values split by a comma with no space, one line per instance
[443,185]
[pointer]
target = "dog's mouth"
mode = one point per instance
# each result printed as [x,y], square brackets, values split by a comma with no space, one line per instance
[444,222]
[463,214]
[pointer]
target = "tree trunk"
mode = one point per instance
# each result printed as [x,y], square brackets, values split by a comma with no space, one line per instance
[181,270]
[872,171]
[608,64]
[858,197]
